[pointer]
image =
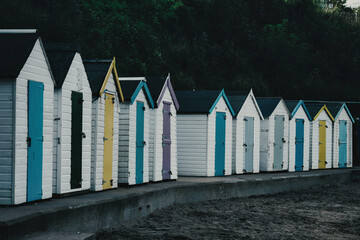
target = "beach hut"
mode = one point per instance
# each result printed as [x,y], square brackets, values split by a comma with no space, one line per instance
[72,119]
[163,142]
[204,132]
[274,132]
[246,132]
[26,118]
[342,134]
[134,132]
[299,136]
[320,135]
[106,98]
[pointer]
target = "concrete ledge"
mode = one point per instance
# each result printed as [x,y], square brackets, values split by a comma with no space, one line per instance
[96,211]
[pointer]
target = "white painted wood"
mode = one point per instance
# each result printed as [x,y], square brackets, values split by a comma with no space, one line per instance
[267,136]
[75,80]
[36,69]
[127,143]
[248,109]
[156,130]
[300,114]
[6,140]
[344,117]
[97,136]
[314,153]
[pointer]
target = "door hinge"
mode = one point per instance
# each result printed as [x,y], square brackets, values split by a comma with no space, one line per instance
[143,108]
[58,141]
[28,140]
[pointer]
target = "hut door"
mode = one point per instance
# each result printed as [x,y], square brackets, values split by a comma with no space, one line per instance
[35,140]
[279,142]
[76,139]
[249,143]
[342,144]
[322,144]
[108,140]
[166,141]
[299,145]
[140,143]
[220,144]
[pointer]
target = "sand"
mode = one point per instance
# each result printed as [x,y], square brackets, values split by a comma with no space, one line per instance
[327,212]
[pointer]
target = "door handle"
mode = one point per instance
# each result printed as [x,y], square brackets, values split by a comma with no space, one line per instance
[144,143]
[104,138]
[83,135]
[28,140]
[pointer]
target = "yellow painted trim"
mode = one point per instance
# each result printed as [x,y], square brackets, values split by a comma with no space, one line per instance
[327,111]
[112,68]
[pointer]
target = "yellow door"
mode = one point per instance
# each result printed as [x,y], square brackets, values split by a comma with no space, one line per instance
[322,144]
[108,140]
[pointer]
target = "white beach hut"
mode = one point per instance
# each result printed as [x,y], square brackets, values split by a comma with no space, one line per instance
[246,132]
[204,131]
[134,132]
[321,138]
[274,134]
[107,95]
[342,134]
[26,118]
[163,140]
[299,136]
[72,119]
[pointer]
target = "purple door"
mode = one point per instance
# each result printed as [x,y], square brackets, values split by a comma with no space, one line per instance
[166,141]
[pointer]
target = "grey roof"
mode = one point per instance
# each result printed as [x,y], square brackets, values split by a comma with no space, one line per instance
[15,49]
[291,104]
[334,107]
[128,88]
[96,71]
[155,85]
[60,56]
[237,99]
[313,108]
[196,101]
[267,105]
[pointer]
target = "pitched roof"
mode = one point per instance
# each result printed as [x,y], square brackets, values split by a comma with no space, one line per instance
[267,105]
[157,89]
[96,71]
[313,108]
[334,107]
[291,104]
[60,56]
[15,48]
[294,105]
[131,89]
[237,99]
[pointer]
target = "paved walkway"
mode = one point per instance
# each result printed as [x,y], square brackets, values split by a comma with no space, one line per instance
[106,209]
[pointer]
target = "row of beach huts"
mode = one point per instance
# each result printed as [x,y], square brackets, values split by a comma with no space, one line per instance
[69,125]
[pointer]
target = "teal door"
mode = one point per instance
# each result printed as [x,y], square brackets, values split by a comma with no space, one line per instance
[220,144]
[35,140]
[279,142]
[342,144]
[249,144]
[76,139]
[299,145]
[140,143]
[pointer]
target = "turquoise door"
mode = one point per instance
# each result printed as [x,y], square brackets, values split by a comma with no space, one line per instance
[35,140]
[342,144]
[140,143]
[299,145]
[279,142]
[220,144]
[249,144]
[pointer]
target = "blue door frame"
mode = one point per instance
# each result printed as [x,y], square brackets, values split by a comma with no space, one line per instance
[140,143]
[299,145]
[220,144]
[342,144]
[35,140]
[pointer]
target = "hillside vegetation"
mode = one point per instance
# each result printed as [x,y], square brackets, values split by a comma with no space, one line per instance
[290,49]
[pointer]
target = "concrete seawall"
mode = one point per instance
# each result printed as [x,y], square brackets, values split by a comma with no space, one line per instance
[93,212]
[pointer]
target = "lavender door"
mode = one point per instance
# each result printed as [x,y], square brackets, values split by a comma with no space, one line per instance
[166,141]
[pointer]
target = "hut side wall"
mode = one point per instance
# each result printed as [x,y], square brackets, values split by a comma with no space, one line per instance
[314,152]
[248,110]
[35,69]
[342,116]
[6,140]
[97,143]
[76,80]
[192,144]
[221,106]
[300,114]
[124,133]
[156,153]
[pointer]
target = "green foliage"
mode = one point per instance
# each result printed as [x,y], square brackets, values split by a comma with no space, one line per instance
[286,48]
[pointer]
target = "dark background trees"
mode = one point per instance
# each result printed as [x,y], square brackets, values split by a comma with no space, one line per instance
[284,48]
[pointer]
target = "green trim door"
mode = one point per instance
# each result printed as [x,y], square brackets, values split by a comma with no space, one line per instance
[76,139]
